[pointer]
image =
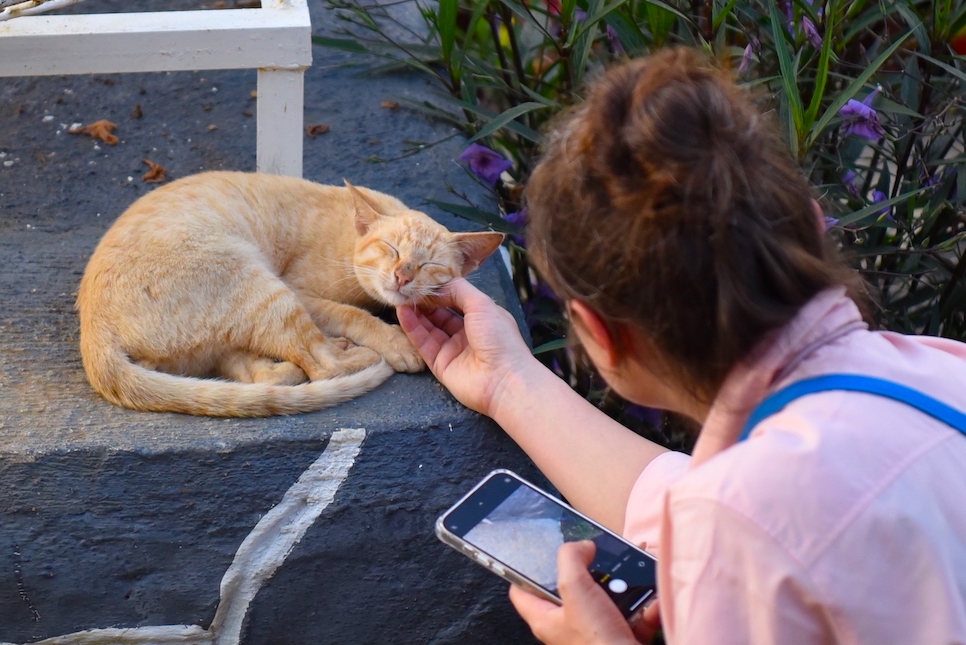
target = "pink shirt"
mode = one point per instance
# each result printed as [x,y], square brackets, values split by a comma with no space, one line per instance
[842,519]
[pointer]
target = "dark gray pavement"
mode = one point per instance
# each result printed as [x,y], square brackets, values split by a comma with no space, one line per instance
[114,518]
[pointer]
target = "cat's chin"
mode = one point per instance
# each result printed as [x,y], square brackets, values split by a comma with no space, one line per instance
[394,298]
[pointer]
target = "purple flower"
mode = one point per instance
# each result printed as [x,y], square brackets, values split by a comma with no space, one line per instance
[811,32]
[749,55]
[615,42]
[518,219]
[485,163]
[650,416]
[879,196]
[544,291]
[849,179]
[830,222]
[862,119]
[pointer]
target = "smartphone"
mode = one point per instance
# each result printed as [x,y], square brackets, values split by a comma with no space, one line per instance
[514,529]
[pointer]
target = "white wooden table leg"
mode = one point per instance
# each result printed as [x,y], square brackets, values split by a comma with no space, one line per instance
[280,121]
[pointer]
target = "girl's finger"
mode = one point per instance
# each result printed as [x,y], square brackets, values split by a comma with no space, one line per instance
[531,608]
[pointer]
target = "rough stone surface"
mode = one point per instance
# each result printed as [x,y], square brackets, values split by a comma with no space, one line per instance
[115,518]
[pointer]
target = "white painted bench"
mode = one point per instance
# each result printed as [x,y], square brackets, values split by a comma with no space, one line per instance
[275,39]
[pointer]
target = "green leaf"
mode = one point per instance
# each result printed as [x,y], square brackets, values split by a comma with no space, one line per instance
[850,91]
[540,98]
[660,19]
[591,21]
[560,343]
[720,16]
[821,76]
[857,217]
[883,104]
[344,44]
[630,35]
[958,73]
[446,24]
[957,22]
[506,117]
[668,8]
[915,25]
[513,126]
[474,214]
[789,71]
[582,43]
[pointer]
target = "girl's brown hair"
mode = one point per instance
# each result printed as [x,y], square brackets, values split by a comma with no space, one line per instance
[668,201]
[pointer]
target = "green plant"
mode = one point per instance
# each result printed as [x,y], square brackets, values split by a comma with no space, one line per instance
[868,94]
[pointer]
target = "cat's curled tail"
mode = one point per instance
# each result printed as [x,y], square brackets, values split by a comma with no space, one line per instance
[123,382]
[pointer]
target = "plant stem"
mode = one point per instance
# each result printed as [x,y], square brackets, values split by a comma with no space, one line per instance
[493,19]
[514,46]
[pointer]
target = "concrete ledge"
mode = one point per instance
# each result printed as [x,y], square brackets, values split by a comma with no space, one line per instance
[114,519]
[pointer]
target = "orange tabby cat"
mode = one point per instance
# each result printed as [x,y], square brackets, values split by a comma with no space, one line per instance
[263,280]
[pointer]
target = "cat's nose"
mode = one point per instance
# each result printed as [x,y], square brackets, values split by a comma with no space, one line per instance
[404,275]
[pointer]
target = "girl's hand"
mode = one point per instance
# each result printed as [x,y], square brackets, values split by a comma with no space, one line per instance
[587,617]
[471,344]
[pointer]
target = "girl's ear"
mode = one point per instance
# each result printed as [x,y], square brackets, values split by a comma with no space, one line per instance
[366,213]
[597,331]
[476,247]
[819,217]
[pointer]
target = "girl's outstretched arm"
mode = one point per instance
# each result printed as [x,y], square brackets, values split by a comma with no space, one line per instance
[474,348]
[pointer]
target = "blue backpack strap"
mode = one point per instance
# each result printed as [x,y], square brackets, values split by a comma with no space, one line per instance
[854,383]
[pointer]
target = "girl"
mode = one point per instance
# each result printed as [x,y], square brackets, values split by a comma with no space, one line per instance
[684,239]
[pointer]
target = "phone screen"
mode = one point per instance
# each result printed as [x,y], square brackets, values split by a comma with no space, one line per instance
[522,527]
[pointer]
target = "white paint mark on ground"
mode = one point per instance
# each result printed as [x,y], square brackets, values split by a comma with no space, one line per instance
[257,559]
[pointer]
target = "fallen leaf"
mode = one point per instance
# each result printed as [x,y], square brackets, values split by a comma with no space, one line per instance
[156,174]
[137,113]
[319,128]
[99,130]
[248,113]
[390,105]
[206,107]
[254,94]
[212,127]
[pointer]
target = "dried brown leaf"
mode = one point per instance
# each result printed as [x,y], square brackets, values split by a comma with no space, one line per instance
[314,130]
[99,130]
[156,174]
[390,105]
[137,113]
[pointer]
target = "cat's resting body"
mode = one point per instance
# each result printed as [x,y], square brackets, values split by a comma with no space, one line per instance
[263,281]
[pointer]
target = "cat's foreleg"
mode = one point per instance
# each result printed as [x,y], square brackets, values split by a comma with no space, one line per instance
[281,327]
[363,328]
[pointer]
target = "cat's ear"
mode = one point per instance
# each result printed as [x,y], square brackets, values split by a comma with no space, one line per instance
[476,247]
[366,213]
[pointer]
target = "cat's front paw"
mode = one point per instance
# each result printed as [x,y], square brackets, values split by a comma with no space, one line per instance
[400,353]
